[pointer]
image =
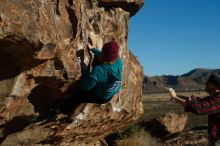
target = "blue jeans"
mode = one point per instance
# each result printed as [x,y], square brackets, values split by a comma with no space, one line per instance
[214,143]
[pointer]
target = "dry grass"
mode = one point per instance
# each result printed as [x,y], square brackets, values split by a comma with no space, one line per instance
[140,138]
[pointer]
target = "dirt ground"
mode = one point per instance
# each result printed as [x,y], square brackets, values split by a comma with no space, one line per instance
[157,104]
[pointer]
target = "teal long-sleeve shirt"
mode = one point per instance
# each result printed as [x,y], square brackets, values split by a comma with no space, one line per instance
[104,80]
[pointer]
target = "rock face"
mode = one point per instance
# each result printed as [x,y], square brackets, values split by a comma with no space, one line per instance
[42,47]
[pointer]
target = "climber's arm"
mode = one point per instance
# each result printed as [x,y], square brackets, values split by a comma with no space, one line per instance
[89,80]
[96,52]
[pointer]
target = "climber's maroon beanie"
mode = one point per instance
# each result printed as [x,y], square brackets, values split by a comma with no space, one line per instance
[110,51]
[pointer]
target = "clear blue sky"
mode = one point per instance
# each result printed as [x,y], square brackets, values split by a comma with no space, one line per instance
[172,37]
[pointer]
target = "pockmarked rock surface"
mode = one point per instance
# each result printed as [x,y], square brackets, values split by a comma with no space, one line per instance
[42,49]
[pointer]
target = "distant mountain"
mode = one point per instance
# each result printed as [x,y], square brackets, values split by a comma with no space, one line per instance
[193,80]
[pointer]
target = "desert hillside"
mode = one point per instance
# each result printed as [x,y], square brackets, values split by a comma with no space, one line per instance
[193,80]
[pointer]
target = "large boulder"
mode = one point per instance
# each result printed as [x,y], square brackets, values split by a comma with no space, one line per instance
[42,47]
[169,123]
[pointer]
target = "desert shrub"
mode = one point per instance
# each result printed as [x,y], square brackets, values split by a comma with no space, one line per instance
[134,135]
[131,130]
[137,138]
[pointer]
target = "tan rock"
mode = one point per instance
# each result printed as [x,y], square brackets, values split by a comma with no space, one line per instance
[173,122]
[39,62]
[169,123]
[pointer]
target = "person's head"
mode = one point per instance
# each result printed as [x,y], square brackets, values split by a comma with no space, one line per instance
[110,52]
[213,83]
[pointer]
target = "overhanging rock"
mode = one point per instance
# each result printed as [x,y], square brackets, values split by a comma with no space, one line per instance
[40,43]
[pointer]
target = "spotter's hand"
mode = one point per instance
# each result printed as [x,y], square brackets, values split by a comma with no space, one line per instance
[172,93]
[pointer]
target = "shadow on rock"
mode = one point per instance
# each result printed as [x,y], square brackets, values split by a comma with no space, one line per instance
[16,57]
[45,95]
[15,125]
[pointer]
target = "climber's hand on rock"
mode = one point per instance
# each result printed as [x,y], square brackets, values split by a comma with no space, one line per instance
[89,46]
